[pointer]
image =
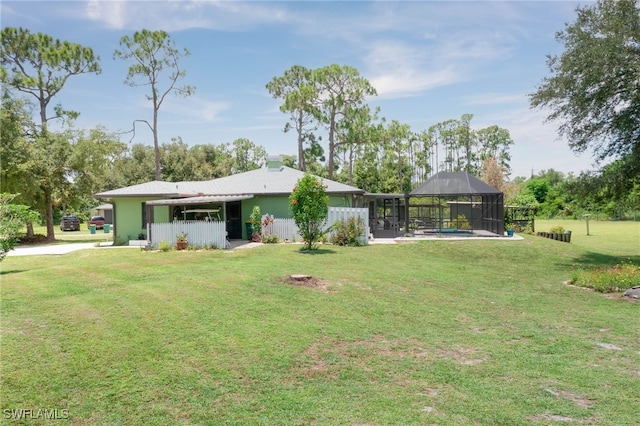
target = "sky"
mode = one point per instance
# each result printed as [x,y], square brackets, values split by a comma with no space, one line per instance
[429,61]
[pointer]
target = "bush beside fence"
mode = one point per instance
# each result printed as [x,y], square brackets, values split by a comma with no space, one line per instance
[286,229]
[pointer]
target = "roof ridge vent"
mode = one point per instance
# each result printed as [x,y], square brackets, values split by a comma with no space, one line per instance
[274,163]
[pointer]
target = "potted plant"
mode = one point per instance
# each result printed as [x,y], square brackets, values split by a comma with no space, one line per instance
[181,241]
[557,232]
[510,229]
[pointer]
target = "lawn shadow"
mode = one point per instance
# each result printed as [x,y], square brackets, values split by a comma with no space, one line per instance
[14,271]
[317,251]
[598,259]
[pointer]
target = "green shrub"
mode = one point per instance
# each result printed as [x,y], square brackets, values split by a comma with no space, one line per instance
[255,219]
[12,218]
[309,204]
[608,279]
[270,239]
[558,229]
[164,246]
[347,231]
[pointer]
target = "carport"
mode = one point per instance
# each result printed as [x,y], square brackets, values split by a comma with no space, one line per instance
[206,219]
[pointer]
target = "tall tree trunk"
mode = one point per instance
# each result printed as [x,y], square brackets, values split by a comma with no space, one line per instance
[332,125]
[301,164]
[351,165]
[48,200]
[47,191]
[156,146]
[30,232]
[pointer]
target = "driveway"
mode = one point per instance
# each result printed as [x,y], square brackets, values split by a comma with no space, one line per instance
[56,249]
[51,249]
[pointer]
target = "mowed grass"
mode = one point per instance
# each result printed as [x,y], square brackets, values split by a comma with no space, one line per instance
[69,237]
[615,239]
[434,332]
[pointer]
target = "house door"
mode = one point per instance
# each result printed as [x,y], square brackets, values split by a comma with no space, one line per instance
[233,213]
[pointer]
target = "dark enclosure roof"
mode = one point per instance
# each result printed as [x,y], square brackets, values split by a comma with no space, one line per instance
[454,183]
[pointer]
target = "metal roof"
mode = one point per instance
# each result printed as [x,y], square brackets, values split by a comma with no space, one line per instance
[198,200]
[155,188]
[382,195]
[454,183]
[263,181]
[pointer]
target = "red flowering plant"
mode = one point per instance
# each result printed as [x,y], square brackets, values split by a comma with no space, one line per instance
[309,204]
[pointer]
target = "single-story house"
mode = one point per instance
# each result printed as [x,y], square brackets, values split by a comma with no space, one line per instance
[229,199]
[106,211]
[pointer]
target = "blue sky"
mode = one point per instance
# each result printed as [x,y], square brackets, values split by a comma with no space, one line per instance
[429,61]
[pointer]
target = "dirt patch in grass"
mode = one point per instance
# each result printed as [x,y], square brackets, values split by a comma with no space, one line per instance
[463,355]
[579,400]
[300,280]
[552,418]
[326,357]
[557,418]
[317,366]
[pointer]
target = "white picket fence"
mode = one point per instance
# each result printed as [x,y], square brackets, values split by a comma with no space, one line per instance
[344,213]
[199,233]
[286,229]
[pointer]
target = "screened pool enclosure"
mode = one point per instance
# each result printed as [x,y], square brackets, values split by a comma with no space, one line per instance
[456,202]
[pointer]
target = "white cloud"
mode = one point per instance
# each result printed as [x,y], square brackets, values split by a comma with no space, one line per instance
[481,46]
[181,15]
[537,144]
[113,14]
[197,110]
[494,99]
[409,81]
[399,70]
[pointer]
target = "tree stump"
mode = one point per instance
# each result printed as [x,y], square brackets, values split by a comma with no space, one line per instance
[300,277]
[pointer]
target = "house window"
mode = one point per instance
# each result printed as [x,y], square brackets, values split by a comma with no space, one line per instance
[144,215]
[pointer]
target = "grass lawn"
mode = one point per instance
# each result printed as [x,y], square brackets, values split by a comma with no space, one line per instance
[81,236]
[606,238]
[432,332]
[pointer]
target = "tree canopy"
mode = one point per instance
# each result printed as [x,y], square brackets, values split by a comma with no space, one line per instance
[296,89]
[154,55]
[38,65]
[594,86]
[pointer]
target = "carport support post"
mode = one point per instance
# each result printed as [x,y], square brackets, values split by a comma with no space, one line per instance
[406,213]
[148,215]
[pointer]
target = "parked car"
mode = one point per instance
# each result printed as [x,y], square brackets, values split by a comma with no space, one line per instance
[69,223]
[98,221]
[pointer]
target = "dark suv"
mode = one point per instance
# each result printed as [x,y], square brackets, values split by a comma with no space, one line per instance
[70,223]
[97,221]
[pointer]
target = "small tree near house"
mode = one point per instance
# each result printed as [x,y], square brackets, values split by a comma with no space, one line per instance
[12,218]
[309,204]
